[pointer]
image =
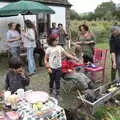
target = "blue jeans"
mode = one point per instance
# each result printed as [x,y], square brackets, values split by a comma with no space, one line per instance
[14,51]
[31,60]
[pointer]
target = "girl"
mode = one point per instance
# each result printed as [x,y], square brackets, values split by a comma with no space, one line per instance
[53,62]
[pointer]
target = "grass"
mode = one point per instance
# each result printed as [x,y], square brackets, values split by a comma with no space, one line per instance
[102,45]
[40,81]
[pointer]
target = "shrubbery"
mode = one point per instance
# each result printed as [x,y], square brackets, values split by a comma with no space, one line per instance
[101,29]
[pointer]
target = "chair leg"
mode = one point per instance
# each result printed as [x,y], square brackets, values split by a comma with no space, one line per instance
[93,76]
[103,75]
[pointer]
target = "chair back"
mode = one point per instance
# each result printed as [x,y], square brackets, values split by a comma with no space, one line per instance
[100,57]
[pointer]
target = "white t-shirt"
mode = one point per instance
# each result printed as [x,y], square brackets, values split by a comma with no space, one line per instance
[29,39]
[13,34]
[55,56]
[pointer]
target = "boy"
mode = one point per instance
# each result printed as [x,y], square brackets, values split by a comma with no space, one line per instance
[16,77]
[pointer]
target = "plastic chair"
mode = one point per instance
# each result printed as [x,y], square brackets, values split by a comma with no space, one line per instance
[99,59]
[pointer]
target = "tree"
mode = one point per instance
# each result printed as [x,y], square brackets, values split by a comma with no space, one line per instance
[74,15]
[105,10]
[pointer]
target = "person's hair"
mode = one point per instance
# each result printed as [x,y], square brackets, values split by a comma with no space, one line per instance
[10,25]
[29,24]
[86,28]
[18,26]
[51,39]
[15,63]
[53,23]
[60,24]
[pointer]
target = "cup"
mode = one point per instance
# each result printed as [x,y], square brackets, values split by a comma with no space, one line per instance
[20,93]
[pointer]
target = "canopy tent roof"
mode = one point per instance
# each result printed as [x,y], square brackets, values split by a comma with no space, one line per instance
[24,8]
[52,2]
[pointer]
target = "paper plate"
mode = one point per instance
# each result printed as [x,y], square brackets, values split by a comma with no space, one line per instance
[37,96]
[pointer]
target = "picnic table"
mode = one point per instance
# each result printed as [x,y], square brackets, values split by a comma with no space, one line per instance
[29,109]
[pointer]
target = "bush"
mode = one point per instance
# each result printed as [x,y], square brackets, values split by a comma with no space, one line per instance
[101,29]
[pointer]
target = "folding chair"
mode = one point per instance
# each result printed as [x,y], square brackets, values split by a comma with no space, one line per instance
[99,59]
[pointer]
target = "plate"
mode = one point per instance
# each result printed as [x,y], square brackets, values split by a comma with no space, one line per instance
[37,96]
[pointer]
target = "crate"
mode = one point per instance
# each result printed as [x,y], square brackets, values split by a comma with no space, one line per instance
[92,107]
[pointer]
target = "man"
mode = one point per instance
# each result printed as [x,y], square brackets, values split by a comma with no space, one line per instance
[54,29]
[115,51]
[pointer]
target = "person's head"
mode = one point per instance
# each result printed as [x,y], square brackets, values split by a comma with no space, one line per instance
[83,28]
[18,28]
[115,30]
[12,26]
[53,40]
[15,64]
[29,24]
[53,25]
[60,26]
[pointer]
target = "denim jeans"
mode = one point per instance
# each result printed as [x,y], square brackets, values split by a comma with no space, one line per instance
[14,51]
[114,71]
[31,60]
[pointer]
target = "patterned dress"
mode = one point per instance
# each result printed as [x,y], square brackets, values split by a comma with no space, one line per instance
[87,49]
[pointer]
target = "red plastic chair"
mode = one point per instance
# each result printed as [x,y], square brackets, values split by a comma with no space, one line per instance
[100,62]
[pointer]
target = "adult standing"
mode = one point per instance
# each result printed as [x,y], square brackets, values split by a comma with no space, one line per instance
[62,35]
[13,40]
[30,44]
[53,30]
[115,51]
[86,42]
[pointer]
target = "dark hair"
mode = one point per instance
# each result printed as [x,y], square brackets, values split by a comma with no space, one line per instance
[86,28]
[10,25]
[51,39]
[29,24]
[60,24]
[15,63]
[18,26]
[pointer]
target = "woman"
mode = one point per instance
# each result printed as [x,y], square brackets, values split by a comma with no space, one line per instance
[30,44]
[86,42]
[62,35]
[13,40]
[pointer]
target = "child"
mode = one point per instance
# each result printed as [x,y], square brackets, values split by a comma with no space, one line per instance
[68,70]
[53,62]
[16,77]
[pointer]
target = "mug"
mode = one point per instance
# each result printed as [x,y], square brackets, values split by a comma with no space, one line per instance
[20,93]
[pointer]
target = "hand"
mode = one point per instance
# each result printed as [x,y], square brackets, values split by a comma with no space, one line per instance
[76,59]
[114,66]
[23,34]
[49,70]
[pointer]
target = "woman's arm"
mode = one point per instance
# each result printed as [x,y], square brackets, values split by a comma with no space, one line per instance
[14,39]
[30,35]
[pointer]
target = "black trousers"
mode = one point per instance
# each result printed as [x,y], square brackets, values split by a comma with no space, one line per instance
[55,78]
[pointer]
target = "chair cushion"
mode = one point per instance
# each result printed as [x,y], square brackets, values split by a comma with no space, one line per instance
[94,69]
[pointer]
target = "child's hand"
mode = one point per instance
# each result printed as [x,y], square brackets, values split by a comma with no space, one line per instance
[49,70]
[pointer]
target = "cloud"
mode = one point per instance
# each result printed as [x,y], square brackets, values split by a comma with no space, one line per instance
[87,5]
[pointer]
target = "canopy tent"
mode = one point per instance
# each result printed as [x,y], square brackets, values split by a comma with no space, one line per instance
[24,7]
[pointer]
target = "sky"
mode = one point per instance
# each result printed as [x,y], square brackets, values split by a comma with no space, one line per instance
[82,6]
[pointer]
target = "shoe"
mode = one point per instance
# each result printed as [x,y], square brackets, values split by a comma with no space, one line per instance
[51,91]
[58,98]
